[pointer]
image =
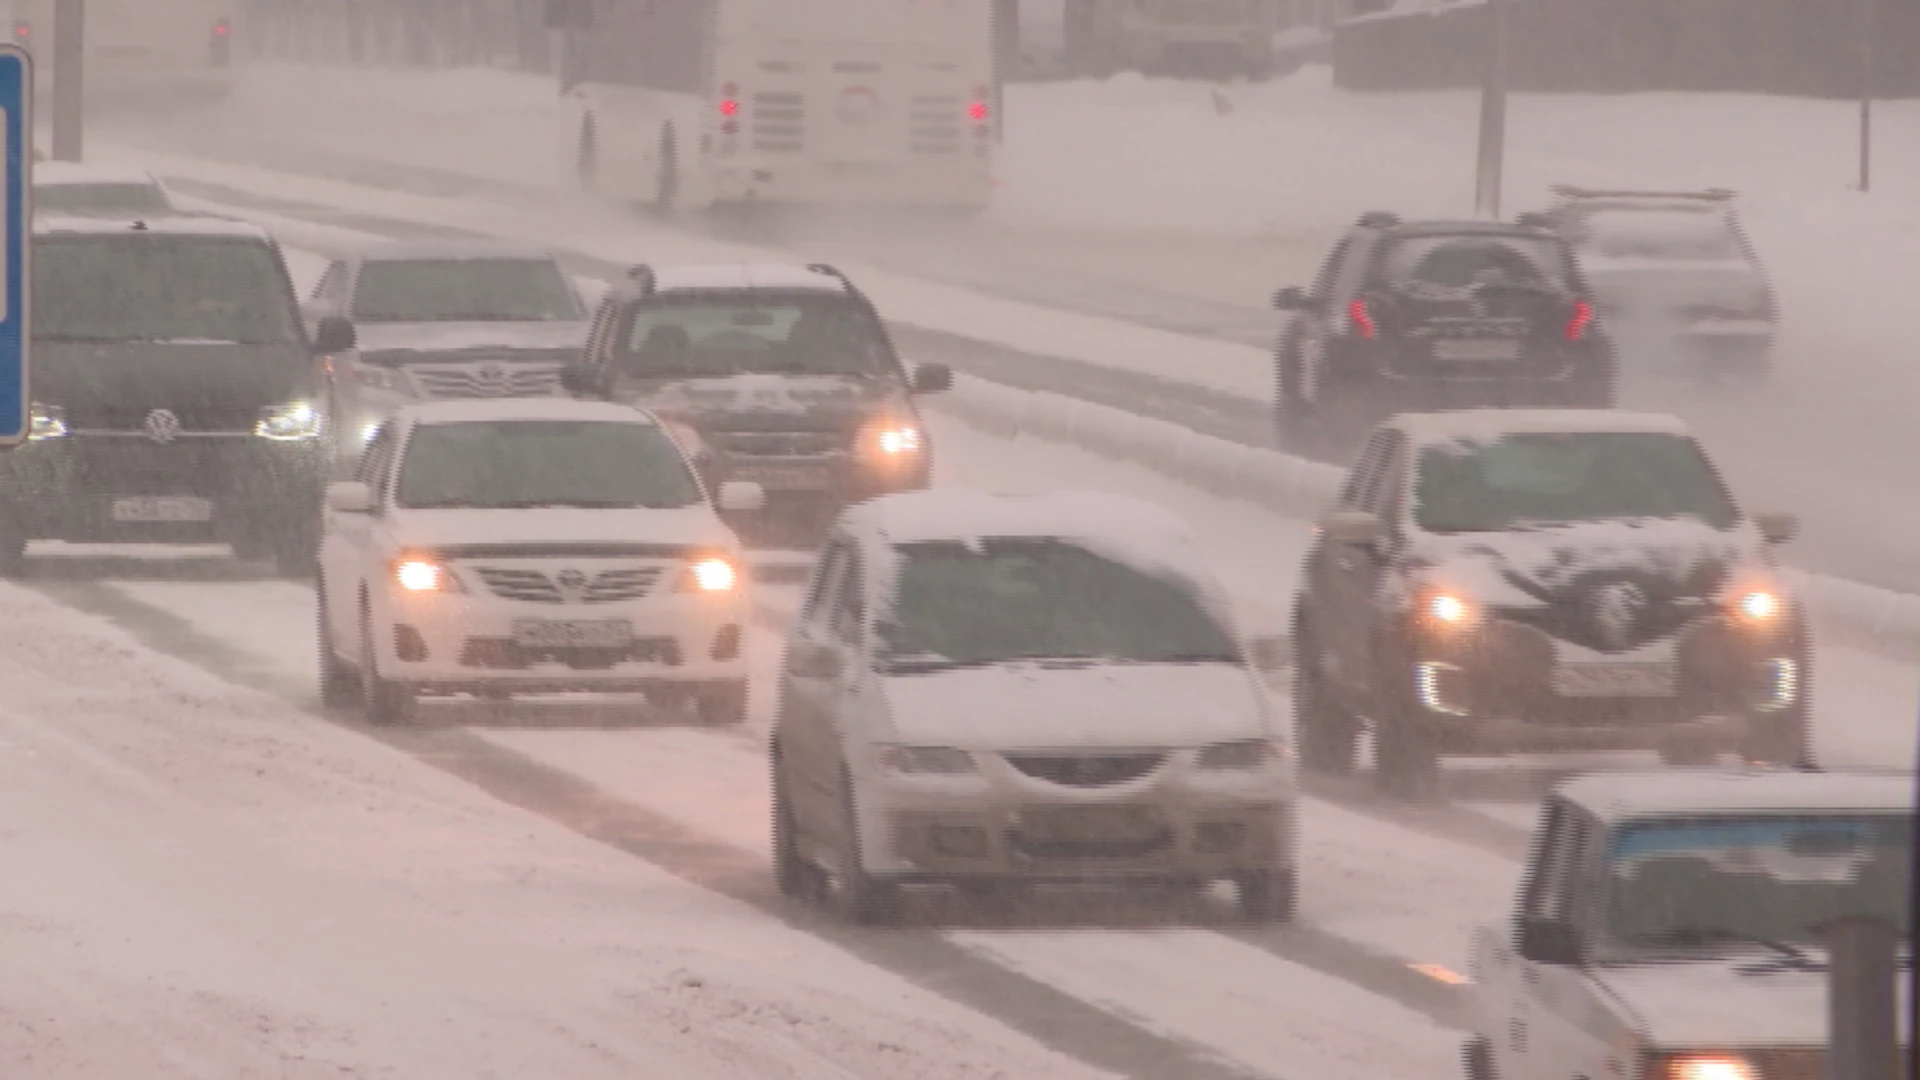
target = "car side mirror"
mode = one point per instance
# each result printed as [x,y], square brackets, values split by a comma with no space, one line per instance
[1354,527]
[1549,941]
[1291,298]
[1778,526]
[742,497]
[812,660]
[932,379]
[1270,653]
[582,381]
[350,497]
[334,335]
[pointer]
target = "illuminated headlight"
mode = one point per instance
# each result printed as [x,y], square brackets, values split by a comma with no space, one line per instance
[924,760]
[1446,610]
[1703,1067]
[1243,754]
[710,575]
[368,430]
[46,422]
[424,575]
[1760,606]
[891,440]
[900,440]
[293,421]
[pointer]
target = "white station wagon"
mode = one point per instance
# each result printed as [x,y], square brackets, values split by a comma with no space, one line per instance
[525,546]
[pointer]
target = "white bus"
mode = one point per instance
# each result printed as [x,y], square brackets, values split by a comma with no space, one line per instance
[857,103]
[138,51]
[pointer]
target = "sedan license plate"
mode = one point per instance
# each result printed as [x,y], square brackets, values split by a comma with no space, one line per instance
[786,477]
[1614,680]
[157,508]
[1476,349]
[572,633]
[1091,823]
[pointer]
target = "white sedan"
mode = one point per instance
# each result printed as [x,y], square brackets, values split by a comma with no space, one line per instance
[530,546]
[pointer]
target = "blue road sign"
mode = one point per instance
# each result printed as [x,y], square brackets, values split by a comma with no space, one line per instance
[16,247]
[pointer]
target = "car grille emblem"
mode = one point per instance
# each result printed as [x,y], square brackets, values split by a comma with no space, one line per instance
[162,426]
[571,582]
[1616,613]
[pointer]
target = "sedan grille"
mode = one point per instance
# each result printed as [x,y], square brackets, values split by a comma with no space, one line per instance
[570,586]
[778,443]
[1086,771]
[487,380]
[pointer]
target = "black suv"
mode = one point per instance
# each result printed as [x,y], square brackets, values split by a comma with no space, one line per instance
[173,394]
[1525,581]
[781,375]
[1410,316]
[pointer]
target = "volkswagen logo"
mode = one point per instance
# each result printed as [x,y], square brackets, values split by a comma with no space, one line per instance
[1616,613]
[491,379]
[162,426]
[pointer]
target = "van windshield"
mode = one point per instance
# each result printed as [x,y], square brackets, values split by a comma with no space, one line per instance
[144,287]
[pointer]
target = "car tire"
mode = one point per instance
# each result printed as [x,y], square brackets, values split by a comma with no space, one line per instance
[1328,735]
[13,555]
[296,550]
[865,899]
[722,704]
[792,873]
[1780,739]
[339,688]
[382,701]
[1406,762]
[1268,896]
[1476,1059]
[666,190]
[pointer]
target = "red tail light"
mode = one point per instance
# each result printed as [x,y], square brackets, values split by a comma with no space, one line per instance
[730,107]
[220,28]
[1582,319]
[22,31]
[1362,318]
[982,105]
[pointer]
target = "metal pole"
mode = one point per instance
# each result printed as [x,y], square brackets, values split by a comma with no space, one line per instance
[1868,26]
[69,79]
[1860,999]
[1493,113]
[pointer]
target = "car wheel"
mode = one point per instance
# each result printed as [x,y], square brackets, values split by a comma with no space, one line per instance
[1267,896]
[13,554]
[1407,764]
[296,550]
[1477,1059]
[666,191]
[1780,739]
[1328,734]
[339,689]
[721,705]
[382,701]
[867,900]
[795,876]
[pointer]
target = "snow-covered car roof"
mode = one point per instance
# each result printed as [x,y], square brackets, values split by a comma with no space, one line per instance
[1622,796]
[527,408]
[922,516]
[169,225]
[744,276]
[1485,425]
[62,173]
[446,250]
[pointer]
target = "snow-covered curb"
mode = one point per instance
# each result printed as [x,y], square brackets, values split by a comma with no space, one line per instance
[1847,612]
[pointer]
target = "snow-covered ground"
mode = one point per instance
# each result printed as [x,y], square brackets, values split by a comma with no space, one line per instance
[1145,201]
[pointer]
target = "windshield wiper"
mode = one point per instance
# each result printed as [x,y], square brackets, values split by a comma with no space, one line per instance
[1183,658]
[926,665]
[1710,935]
[561,504]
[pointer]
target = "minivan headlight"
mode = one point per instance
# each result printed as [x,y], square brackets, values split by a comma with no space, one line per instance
[291,422]
[46,422]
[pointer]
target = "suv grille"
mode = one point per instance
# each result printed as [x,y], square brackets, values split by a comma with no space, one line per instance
[626,583]
[1085,770]
[778,443]
[487,380]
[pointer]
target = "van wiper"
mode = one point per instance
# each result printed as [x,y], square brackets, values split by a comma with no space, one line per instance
[1684,936]
[929,664]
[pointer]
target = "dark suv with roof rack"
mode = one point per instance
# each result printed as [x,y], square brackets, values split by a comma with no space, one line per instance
[783,375]
[1422,315]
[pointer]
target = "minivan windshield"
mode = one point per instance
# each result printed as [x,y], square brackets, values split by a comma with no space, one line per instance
[1561,478]
[537,464]
[720,334]
[958,604]
[146,287]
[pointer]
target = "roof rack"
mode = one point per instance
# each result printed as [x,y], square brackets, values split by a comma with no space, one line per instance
[642,274]
[1379,219]
[1570,191]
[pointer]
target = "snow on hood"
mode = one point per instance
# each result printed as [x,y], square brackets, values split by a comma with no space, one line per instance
[451,337]
[761,393]
[694,525]
[1746,1001]
[1112,705]
[1526,567]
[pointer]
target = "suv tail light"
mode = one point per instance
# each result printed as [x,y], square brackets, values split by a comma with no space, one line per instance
[980,109]
[730,109]
[219,44]
[22,31]
[1581,320]
[1361,318]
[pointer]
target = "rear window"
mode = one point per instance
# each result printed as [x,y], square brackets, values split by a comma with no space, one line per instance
[1463,260]
[1656,233]
[464,290]
[719,334]
[56,199]
[154,287]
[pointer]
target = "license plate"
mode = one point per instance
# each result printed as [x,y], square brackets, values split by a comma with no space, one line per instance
[1091,823]
[162,508]
[786,477]
[1614,680]
[572,633]
[1476,349]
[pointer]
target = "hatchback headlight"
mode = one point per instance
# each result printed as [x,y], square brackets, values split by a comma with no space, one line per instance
[1241,754]
[294,421]
[46,422]
[924,760]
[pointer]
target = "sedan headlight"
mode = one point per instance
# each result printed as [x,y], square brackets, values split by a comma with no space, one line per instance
[890,440]
[1703,1067]
[711,574]
[1760,607]
[292,422]
[1446,609]
[46,422]
[925,760]
[418,575]
[1243,754]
